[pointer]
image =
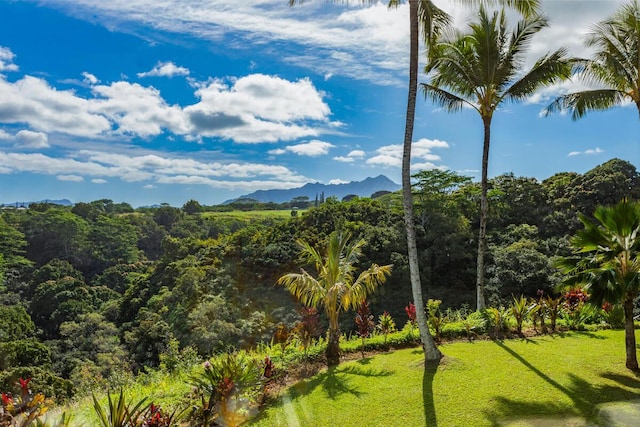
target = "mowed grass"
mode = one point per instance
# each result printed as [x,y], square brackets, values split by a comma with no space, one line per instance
[553,380]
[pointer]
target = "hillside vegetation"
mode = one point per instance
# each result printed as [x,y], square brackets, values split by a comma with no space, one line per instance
[97,293]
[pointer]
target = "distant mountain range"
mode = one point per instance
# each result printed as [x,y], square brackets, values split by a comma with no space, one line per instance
[63,202]
[363,188]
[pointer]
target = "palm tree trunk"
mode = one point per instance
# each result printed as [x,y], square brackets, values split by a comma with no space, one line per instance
[431,352]
[333,347]
[484,214]
[630,334]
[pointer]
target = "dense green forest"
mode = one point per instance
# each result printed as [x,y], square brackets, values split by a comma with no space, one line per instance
[97,292]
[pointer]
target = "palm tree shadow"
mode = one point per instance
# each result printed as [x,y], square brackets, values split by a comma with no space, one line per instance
[430,418]
[584,395]
[335,381]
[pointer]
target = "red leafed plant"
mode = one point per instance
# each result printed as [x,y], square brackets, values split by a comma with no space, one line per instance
[364,322]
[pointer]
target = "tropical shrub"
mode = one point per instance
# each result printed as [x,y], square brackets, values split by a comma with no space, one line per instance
[436,318]
[228,388]
[613,315]
[119,413]
[386,325]
[24,409]
[520,309]
[498,321]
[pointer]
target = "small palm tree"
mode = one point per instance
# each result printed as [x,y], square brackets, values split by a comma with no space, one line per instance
[607,263]
[483,69]
[615,66]
[334,285]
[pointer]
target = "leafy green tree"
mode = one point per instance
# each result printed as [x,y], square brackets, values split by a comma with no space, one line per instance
[166,215]
[607,262]
[16,323]
[334,286]
[192,207]
[13,245]
[112,241]
[516,200]
[519,266]
[483,69]
[615,65]
[61,300]
[56,233]
[90,338]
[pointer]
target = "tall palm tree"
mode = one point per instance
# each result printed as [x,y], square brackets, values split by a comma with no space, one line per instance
[334,286]
[607,262]
[483,69]
[615,65]
[428,20]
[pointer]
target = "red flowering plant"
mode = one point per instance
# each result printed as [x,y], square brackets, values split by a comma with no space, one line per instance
[24,409]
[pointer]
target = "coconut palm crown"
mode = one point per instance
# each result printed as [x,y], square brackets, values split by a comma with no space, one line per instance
[614,68]
[334,285]
[482,69]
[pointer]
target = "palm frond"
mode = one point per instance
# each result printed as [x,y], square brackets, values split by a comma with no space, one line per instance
[580,103]
[446,100]
[549,69]
[525,7]
[432,21]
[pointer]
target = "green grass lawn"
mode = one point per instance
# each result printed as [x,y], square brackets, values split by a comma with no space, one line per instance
[554,380]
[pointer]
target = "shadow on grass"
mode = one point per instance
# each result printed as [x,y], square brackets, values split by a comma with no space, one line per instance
[335,381]
[430,418]
[584,395]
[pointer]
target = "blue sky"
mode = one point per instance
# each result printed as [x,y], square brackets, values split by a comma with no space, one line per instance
[148,101]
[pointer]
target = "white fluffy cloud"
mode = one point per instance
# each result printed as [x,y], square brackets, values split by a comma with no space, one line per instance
[351,157]
[30,139]
[165,69]
[90,78]
[6,60]
[250,109]
[97,166]
[312,148]
[421,154]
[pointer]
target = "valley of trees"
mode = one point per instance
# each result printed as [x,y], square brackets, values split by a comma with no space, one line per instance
[97,292]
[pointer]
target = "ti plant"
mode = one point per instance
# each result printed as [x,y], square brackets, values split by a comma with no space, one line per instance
[412,315]
[364,322]
[308,328]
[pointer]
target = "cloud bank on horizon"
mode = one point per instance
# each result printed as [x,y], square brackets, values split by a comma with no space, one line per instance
[285,119]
